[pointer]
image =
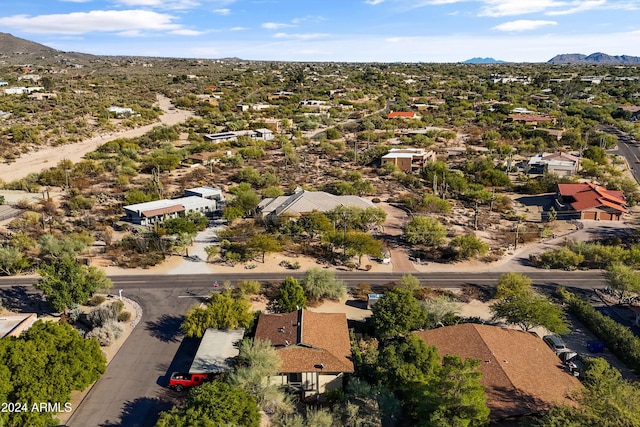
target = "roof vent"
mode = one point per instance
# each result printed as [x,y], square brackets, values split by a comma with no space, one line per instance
[286,343]
[281,329]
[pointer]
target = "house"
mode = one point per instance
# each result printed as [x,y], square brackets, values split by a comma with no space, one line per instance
[561,164]
[262,134]
[634,110]
[221,137]
[403,115]
[520,373]
[216,351]
[206,192]
[205,158]
[531,119]
[303,201]
[408,159]
[314,349]
[156,211]
[21,90]
[590,201]
[121,112]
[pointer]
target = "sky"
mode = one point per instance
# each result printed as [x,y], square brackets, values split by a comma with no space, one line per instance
[330,30]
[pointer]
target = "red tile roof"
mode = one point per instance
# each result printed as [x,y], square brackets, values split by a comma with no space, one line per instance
[590,196]
[529,118]
[306,340]
[520,373]
[402,114]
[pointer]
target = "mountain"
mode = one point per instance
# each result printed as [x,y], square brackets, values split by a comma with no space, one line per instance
[594,58]
[14,50]
[483,61]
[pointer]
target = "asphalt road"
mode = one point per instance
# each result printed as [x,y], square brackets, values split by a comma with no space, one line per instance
[132,392]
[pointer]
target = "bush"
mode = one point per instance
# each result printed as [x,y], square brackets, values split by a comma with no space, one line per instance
[319,284]
[96,300]
[104,314]
[107,333]
[124,316]
[249,287]
[618,338]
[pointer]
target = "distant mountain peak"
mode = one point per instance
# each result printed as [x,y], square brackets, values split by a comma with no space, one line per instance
[479,60]
[594,58]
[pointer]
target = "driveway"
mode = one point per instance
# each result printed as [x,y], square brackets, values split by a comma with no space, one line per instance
[392,235]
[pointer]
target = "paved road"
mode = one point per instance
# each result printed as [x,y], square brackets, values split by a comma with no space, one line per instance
[132,392]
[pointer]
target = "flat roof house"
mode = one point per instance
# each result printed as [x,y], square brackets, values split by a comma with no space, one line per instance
[149,213]
[314,349]
[561,164]
[520,373]
[408,159]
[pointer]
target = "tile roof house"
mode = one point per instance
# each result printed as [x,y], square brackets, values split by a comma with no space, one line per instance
[520,373]
[303,201]
[531,119]
[314,349]
[591,201]
[403,115]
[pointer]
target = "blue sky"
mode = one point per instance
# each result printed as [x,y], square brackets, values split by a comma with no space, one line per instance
[330,30]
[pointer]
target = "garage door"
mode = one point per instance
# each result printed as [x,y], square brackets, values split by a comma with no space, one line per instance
[606,216]
[588,215]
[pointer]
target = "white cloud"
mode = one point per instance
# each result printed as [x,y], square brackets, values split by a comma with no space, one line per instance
[161,4]
[498,8]
[275,25]
[523,25]
[300,36]
[238,28]
[223,12]
[93,21]
[374,2]
[185,32]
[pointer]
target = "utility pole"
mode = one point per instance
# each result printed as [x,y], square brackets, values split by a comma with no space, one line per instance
[476,213]
[515,243]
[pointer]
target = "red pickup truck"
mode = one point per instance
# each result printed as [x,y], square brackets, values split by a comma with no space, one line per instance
[179,381]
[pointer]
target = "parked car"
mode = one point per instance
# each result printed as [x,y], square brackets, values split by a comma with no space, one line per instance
[555,343]
[179,381]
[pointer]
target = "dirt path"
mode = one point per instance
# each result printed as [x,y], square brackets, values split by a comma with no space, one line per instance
[50,156]
[396,219]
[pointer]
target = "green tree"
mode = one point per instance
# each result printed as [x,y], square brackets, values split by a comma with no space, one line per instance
[63,247]
[214,404]
[518,304]
[319,284]
[468,246]
[425,230]
[455,398]
[12,260]
[244,198]
[45,364]
[407,361]
[290,297]
[222,312]
[623,278]
[397,313]
[66,282]
[263,243]
[363,243]
[211,251]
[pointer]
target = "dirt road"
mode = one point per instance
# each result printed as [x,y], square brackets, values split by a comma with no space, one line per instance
[50,156]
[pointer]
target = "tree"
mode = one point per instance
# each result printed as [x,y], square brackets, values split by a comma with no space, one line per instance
[66,282]
[608,400]
[520,305]
[455,397]
[12,260]
[405,361]
[319,284]
[425,230]
[222,312]
[263,243]
[363,243]
[468,246]
[290,297]
[623,278]
[45,364]
[214,404]
[397,313]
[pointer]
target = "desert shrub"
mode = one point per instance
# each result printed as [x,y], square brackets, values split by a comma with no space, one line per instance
[320,284]
[249,287]
[96,300]
[362,290]
[124,316]
[107,333]
[104,314]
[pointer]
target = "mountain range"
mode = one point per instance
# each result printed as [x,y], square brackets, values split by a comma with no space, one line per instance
[594,58]
[478,60]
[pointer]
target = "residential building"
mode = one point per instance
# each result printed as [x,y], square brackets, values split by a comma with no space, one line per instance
[634,110]
[561,164]
[216,351]
[121,112]
[205,158]
[590,201]
[149,213]
[221,137]
[520,373]
[403,115]
[205,192]
[314,349]
[408,159]
[21,90]
[531,119]
[303,201]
